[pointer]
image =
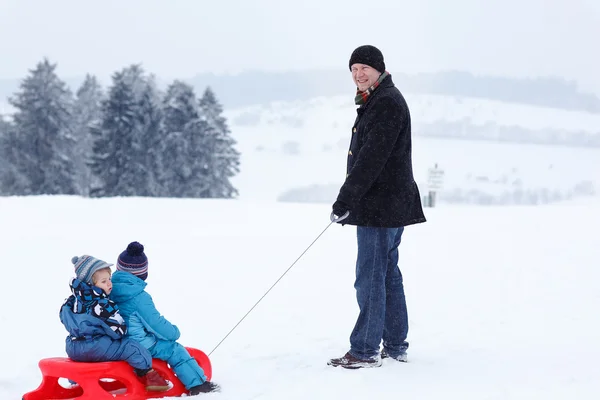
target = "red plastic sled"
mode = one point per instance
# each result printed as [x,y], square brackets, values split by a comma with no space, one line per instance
[106,380]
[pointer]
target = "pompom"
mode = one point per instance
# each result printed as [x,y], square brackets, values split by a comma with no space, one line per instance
[135,249]
[74,260]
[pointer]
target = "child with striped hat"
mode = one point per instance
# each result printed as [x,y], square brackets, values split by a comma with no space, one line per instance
[96,328]
[148,326]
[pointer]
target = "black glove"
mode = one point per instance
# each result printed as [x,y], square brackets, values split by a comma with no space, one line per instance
[340,208]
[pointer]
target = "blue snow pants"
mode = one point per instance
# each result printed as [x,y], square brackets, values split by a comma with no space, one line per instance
[185,366]
[104,348]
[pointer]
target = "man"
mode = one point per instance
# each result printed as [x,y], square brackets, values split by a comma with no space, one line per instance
[382,198]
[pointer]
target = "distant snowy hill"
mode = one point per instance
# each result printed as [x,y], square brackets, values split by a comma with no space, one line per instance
[508,153]
[438,116]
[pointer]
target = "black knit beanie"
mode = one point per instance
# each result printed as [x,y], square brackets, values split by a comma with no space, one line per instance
[368,55]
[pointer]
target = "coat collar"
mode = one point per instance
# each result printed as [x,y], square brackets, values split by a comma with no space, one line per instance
[386,83]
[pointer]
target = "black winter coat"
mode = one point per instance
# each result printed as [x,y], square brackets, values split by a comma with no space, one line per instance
[380,188]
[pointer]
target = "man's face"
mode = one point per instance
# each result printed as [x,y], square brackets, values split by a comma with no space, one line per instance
[364,76]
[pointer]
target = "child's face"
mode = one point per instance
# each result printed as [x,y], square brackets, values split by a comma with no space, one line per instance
[102,280]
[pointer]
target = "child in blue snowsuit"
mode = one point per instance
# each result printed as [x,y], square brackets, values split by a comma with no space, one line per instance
[147,325]
[96,328]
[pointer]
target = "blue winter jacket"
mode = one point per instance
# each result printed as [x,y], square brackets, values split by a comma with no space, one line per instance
[90,318]
[145,324]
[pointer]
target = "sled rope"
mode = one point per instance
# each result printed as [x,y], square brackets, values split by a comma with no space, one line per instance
[277,281]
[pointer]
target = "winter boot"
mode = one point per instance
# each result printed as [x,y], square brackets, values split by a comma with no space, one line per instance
[152,380]
[206,387]
[351,362]
[402,357]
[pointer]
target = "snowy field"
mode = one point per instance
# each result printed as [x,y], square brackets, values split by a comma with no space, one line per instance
[299,149]
[272,166]
[503,301]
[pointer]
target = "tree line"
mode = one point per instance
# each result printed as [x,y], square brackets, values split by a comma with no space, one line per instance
[131,139]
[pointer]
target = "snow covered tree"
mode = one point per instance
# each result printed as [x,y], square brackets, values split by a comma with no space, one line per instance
[212,110]
[113,141]
[178,148]
[198,155]
[127,148]
[180,108]
[5,128]
[43,127]
[134,76]
[87,112]
[198,151]
[143,169]
[11,181]
[222,158]
[148,138]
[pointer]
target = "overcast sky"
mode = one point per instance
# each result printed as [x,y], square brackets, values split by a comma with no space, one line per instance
[179,38]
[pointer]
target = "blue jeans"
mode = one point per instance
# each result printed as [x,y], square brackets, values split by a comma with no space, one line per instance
[380,294]
[185,366]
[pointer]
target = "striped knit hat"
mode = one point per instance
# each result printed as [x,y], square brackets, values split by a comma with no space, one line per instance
[134,261]
[85,266]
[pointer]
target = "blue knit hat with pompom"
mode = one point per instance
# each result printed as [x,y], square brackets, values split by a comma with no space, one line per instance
[134,261]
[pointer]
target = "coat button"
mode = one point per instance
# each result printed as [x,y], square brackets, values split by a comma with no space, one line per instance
[354,130]
[350,152]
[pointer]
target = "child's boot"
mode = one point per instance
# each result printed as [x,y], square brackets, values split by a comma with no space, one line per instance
[153,381]
[206,387]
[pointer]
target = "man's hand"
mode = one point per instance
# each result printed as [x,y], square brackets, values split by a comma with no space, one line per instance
[339,209]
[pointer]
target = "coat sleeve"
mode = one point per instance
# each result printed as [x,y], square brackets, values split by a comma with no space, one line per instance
[388,118]
[159,325]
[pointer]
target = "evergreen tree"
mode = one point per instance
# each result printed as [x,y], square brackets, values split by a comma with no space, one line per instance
[11,181]
[223,159]
[201,156]
[87,113]
[149,137]
[127,148]
[113,141]
[135,77]
[180,108]
[5,128]
[43,125]
[134,174]
[212,111]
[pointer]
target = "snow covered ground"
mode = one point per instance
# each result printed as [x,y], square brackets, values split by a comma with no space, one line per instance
[503,301]
[491,169]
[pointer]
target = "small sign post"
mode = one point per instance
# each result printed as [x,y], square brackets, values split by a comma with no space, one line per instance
[435,182]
